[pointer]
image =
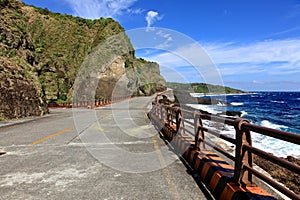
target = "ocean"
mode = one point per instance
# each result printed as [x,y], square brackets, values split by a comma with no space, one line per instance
[277,110]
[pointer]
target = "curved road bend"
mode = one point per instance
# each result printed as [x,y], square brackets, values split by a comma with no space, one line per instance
[108,153]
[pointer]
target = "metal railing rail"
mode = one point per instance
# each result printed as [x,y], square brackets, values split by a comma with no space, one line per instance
[243,161]
[89,103]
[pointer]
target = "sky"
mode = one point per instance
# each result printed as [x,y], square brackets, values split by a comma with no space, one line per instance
[254,45]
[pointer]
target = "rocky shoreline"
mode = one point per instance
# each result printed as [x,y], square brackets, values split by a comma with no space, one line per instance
[282,175]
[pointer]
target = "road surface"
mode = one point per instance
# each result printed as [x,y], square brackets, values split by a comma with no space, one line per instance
[112,152]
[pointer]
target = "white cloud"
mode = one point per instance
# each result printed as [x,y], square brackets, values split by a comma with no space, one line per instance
[190,61]
[190,54]
[167,37]
[259,52]
[169,59]
[271,57]
[151,17]
[285,32]
[94,9]
[137,11]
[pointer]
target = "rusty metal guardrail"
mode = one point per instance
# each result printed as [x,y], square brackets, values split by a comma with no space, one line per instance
[88,103]
[243,160]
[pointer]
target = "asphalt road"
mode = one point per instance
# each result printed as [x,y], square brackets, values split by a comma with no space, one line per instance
[108,153]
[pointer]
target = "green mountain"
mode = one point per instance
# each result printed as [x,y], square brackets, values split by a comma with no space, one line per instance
[203,88]
[41,53]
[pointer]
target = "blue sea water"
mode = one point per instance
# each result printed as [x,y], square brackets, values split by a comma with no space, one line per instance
[278,110]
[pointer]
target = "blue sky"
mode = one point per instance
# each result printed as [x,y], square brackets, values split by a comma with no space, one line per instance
[254,44]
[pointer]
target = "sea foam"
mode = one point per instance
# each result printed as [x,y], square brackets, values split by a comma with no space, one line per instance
[278,101]
[275,146]
[206,108]
[243,113]
[268,124]
[237,103]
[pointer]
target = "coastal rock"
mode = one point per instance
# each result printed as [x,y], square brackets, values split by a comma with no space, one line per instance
[184,97]
[281,174]
[232,113]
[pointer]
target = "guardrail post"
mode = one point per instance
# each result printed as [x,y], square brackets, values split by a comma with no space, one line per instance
[179,123]
[165,115]
[199,134]
[157,111]
[242,157]
[160,112]
[169,116]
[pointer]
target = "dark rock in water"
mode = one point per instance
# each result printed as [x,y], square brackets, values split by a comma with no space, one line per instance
[184,97]
[233,113]
[205,101]
[210,101]
[227,113]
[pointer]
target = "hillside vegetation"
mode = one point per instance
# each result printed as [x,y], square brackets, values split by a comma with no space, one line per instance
[41,53]
[203,88]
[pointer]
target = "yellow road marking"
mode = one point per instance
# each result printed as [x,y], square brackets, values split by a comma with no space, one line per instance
[98,127]
[140,128]
[50,136]
[166,172]
[104,115]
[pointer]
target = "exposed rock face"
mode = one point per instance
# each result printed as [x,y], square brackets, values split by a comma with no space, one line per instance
[19,96]
[109,78]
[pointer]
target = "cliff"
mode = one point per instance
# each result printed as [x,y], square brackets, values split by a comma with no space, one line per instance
[42,52]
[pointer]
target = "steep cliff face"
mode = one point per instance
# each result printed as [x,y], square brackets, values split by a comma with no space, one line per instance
[41,53]
[21,93]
